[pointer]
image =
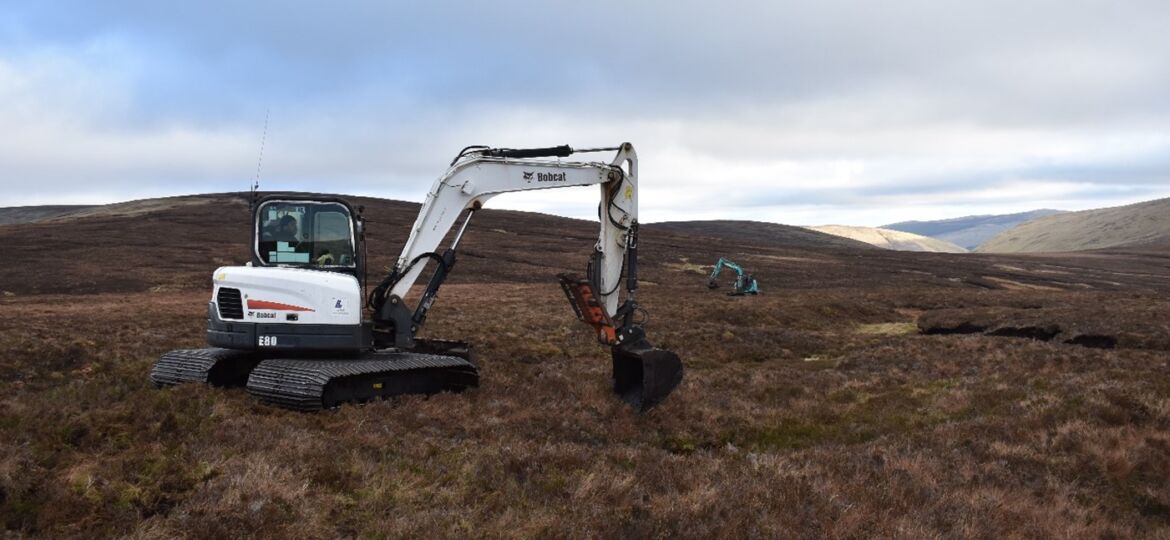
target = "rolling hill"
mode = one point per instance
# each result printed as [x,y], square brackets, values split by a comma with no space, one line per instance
[29,214]
[757,232]
[969,231]
[1130,225]
[889,239]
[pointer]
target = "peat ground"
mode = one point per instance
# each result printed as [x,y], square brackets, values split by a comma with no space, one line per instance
[866,392]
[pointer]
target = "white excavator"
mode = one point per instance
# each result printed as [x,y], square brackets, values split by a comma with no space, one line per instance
[290,325]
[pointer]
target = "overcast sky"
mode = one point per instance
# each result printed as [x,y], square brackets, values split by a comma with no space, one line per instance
[858,113]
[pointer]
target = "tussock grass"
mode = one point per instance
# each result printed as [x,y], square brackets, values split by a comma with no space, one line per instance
[804,412]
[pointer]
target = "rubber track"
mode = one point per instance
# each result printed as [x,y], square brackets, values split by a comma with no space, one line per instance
[197,365]
[302,384]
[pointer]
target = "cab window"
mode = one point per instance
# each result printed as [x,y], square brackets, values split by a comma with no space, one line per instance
[303,233]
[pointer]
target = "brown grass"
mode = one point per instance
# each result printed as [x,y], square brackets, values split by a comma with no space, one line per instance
[809,411]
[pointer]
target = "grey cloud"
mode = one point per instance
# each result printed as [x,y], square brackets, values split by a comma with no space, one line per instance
[1147,174]
[1048,61]
[374,95]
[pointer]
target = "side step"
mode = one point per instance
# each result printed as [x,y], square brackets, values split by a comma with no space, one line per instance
[311,385]
[218,367]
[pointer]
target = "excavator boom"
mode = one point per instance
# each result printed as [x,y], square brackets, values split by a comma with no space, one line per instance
[598,298]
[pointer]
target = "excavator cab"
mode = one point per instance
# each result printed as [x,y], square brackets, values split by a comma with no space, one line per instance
[309,233]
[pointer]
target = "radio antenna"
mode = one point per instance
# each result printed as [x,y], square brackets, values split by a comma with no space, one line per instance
[259,161]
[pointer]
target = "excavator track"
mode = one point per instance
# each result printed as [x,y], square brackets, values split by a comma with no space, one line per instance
[214,366]
[315,384]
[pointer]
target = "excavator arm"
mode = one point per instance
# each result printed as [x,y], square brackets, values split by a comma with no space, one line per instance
[643,374]
[722,263]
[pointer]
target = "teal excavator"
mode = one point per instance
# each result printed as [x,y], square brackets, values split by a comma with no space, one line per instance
[744,282]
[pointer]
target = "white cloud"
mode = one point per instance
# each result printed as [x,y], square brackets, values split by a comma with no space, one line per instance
[791,112]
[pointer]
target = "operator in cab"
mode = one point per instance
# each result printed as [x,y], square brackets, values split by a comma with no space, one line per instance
[284,229]
[280,241]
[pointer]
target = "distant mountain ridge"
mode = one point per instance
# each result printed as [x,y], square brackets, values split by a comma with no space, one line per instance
[757,232]
[1143,223]
[970,231]
[891,239]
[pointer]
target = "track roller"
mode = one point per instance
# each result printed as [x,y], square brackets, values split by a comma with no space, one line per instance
[314,384]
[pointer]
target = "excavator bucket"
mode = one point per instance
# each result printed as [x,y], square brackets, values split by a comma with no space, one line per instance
[643,375]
